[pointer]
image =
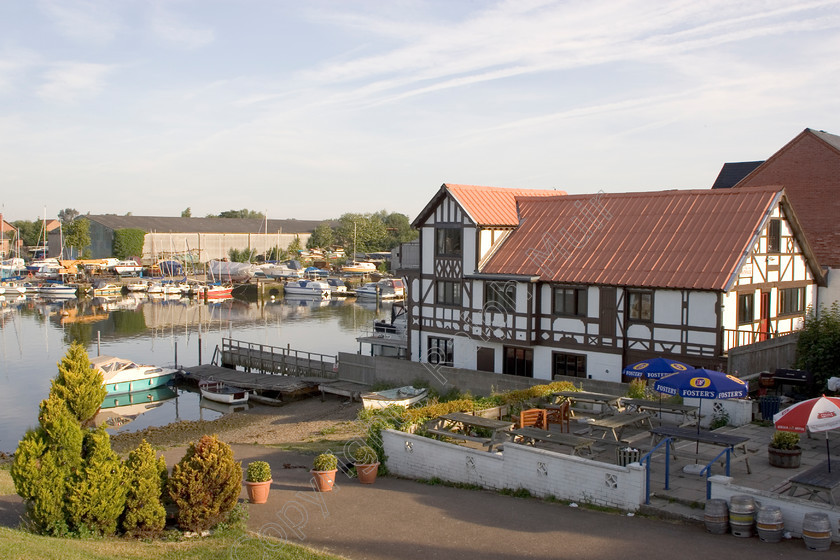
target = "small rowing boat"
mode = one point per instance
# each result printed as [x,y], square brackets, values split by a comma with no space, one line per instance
[221,392]
[401,396]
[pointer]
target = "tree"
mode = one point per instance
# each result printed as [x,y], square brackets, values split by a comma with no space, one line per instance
[30,232]
[78,384]
[321,238]
[818,347]
[186,213]
[294,247]
[364,232]
[128,242]
[77,235]
[146,479]
[67,215]
[399,229]
[244,213]
[244,255]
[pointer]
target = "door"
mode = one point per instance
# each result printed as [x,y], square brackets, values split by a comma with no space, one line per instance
[485,359]
[764,317]
[607,312]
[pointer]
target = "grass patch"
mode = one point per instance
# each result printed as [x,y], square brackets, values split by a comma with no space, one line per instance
[6,485]
[19,545]
[312,447]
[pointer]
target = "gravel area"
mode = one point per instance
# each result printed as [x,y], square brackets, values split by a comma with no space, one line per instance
[306,420]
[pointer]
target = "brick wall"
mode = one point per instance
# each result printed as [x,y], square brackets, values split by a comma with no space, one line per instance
[543,473]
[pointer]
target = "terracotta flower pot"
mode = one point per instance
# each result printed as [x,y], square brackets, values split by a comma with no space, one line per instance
[258,491]
[324,480]
[784,458]
[367,472]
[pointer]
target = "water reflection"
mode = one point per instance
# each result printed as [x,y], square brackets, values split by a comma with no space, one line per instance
[35,334]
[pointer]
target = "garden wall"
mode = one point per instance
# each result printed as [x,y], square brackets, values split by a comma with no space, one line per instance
[793,509]
[543,473]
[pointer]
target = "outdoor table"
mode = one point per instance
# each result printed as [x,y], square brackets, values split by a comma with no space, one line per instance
[688,412]
[611,403]
[817,480]
[578,444]
[703,436]
[616,423]
[445,424]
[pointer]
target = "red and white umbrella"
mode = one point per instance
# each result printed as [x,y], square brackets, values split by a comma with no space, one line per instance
[816,415]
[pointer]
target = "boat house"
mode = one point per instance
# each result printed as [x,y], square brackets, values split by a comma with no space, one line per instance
[542,284]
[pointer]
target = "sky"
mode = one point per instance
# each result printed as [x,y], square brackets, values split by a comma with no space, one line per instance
[313,109]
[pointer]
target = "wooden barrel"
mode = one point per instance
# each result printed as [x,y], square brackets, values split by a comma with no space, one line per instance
[741,515]
[816,531]
[716,516]
[769,524]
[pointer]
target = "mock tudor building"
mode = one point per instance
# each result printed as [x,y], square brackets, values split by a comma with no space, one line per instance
[543,284]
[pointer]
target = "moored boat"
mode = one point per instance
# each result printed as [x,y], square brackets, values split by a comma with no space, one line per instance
[359,268]
[124,376]
[401,396]
[221,392]
[127,268]
[307,288]
[58,290]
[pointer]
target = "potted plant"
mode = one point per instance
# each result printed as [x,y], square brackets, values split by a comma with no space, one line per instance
[784,450]
[258,481]
[323,471]
[367,464]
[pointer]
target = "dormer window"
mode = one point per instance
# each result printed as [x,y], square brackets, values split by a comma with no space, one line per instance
[774,236]
[448,242]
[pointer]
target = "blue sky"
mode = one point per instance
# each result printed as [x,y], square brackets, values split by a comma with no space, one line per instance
[312,109]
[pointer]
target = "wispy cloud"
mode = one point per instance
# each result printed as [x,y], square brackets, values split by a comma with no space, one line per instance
[167,26]
[67,82]
[89,21]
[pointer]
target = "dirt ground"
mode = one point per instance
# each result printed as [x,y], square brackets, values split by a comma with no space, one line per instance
[306,423]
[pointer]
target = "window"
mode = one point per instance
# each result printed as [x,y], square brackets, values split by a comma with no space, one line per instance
[570,301]
[448,242]
[500,297]
[571,365]
[441,351]
[774,236]
[791,301]
[519,361]
[746,306]
[640,306]
[447,292]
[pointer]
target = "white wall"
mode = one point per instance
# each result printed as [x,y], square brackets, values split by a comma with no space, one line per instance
[543,473]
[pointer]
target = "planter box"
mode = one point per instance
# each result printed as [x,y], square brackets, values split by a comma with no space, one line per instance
[784,458]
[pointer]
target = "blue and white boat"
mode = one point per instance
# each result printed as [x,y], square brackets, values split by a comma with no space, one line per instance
[307,288]
[57,289]
[125,376]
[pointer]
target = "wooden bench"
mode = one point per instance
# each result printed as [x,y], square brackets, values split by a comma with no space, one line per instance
[577,443]
[453,435]
[560,414]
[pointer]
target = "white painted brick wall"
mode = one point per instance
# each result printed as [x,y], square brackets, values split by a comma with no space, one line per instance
[543,473]
[793,509]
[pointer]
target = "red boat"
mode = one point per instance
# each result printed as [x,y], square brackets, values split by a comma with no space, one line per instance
[214,292]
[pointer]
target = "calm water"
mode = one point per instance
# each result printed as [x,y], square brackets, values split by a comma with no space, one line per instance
[35,334]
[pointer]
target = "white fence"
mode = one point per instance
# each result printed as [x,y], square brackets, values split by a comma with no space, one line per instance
[543,473]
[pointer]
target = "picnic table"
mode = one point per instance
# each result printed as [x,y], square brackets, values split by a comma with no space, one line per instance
[616,423]
[815,481]
[703,436]
[688,412]
[460,425]
[611,404]
[532,435]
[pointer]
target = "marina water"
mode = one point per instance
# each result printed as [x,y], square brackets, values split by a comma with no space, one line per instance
[36,333]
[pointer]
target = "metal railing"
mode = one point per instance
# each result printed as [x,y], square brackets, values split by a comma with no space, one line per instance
[276,359]
[707,470]
[647,458]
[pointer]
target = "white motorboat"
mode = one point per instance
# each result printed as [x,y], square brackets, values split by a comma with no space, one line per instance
[401,396]
[307,288]
[58,290]
[127,268]
[388,288]
[124,376]
[221,392]
[337,287]
[359,268]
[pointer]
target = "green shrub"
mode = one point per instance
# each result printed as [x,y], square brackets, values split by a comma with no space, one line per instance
[258,471]
[205,484]
[638,389]
[97,496]
[145,478]
[128,242]
[785,440]
[365,455]
[78,384]
[325,462]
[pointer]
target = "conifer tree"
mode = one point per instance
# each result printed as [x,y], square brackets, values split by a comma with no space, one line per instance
[146,480]
[80,386]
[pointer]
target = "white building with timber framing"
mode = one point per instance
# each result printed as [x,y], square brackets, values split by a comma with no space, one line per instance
[541,284]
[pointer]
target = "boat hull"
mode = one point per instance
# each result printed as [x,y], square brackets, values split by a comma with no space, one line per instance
[140,383]
[383,399]
[221,393]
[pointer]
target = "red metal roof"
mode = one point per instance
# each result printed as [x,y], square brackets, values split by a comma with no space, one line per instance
[493,206]
[668,239]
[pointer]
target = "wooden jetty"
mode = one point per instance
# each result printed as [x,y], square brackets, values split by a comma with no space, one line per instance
[288,387]
[275,359]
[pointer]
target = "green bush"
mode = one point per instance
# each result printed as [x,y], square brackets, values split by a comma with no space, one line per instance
[365,455]
[97,496]
[325,462]
[818,347]
[145,478]
[128,242]
[258,471]
[205,484]
[785,440]
[78,385]
[638,389]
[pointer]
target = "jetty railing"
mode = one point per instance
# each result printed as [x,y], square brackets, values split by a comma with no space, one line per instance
[277,359]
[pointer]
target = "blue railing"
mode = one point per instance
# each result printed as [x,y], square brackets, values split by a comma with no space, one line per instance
[647,458]
[707,470]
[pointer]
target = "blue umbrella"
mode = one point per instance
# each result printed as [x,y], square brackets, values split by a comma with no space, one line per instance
[655,368]
[702,384]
